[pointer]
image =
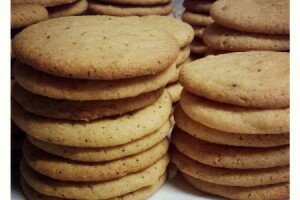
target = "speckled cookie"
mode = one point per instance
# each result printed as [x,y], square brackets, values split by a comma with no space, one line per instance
[230,177]
[196,18]
[106,56]
[101,190]
[198,47]
[25,15]
[96,7]
[174,91]
[82,90]
[183,55]
[47,3]
[270,16]
[221,38]
[81,110]
[105,153]
[101,133]
[67,170]
[252,79]
[143,193]
[183,32]
[229,156]
[76,8]
[136,2]
[235,119]
[199,30]
[276,191]
[197,6]
[196,129]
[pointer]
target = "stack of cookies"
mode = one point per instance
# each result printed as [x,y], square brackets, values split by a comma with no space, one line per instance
[90,95]
[249,25]
[197,15]
[232,134]
[58,8]
[130,7]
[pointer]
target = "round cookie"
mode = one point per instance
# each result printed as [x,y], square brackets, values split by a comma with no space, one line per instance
[46,3]
[26,14]
[101,133]
[106,56]
[183,55]
[230,177]
[197,6]
[136,2]
[235,119]
[198,47]
[174,91]
[101,190]
[221,38]
[76,8]
[183,32]
[276,191]
[197,130]
[143,193]
[199,30]
[229,156]
[96,7]
[82,90]
[270,16]
[105,153]
[197,19]
[66,170]
[257,79]
[81,110]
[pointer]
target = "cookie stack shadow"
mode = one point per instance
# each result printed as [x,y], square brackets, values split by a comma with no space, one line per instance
[94,107]
[197,15]
[248,25]
[130,7]
[232,126]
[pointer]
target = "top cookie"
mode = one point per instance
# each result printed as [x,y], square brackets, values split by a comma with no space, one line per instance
[47,3]
[252,79]
[96,47]
[259,16]
[26,14]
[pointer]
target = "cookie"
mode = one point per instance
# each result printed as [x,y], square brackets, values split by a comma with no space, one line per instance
[81,110]
[96,7]
[196,129]
[196,18]
[276,191]
[143,193]
[136,2]
[230,177]
[101,133]
[199,30]
[25,15]
[174,91]
[197,6]
[47,3]
[101,190]
[198,47]
[270,16]
[221,38]
[183,32]
[106,56]
[76,8]
[183,55]
[105,153]
[235,119]
[66,170]
[257,79]
[229,156]
[83,90]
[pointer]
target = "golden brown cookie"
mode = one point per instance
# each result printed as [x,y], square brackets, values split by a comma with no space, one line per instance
[197,19]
